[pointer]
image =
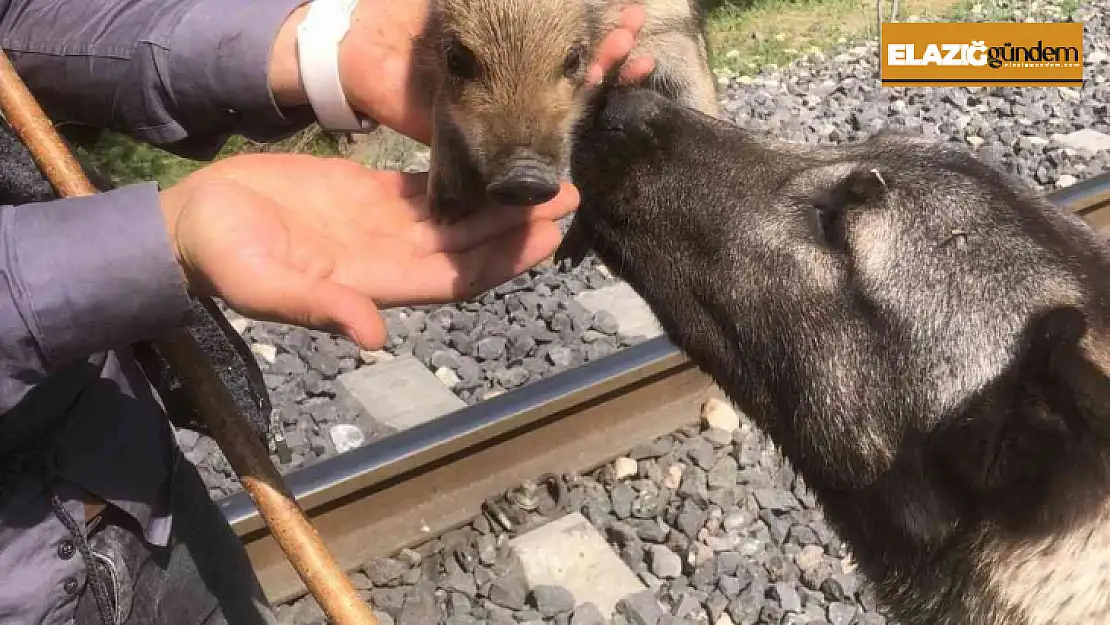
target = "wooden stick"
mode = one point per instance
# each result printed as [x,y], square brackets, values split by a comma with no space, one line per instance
[260,479]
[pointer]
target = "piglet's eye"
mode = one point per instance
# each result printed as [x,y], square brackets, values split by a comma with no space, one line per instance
[573,63]
[461,61]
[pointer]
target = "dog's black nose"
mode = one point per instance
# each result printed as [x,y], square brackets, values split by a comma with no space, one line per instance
[628,109]
[525,184]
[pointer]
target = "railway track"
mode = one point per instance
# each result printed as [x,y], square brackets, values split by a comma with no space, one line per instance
[424,481]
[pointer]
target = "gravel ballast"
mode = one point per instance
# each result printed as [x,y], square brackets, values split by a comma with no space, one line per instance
[518,333]
[1049,137]
[708,518]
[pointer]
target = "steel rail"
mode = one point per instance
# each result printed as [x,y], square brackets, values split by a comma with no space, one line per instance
[1090,199]
[421,482]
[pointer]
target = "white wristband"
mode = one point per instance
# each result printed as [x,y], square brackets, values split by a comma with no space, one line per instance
[318,36]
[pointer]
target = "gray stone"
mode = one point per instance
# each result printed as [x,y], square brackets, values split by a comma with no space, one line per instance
[401,393]
[632,313]
[550,600]
[384,571]
[390,600]
[587,614]
[490,348]
[776,500]
[665,563]
[723,474]
[460,582]
[570,552]
[1085,139]
[508,592]
[419,608]
[841,613]
[787,596]
[686,606]
[640,608]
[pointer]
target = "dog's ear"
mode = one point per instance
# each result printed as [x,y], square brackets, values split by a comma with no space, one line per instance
[1054,354]
[1051,357]
[1050,337]
[861,186]
[1053,371]
[1049,403]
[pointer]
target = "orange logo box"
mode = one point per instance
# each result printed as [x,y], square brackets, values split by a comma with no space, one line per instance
[989,54]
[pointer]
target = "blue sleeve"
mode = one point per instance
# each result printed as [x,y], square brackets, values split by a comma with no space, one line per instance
[83,275]
[180,74]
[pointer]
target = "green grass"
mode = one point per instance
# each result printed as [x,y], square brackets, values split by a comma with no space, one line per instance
[126,160]
[1003,10]
[746,35]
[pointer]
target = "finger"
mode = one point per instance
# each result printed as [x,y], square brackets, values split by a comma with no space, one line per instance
[618,44]
[271,291]
[633,17]
[613,49]
[488,265]
[637,69]
[492,223]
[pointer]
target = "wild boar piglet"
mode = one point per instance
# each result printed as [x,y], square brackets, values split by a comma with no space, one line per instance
[508,78]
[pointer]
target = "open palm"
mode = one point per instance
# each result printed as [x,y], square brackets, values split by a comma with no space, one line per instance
[324,242]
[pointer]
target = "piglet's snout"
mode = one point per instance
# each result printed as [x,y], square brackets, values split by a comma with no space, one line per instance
[526,182]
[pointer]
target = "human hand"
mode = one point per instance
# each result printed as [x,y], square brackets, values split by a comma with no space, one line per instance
[324,242]
[376,62]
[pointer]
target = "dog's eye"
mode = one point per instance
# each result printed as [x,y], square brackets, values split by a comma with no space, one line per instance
[461,61]
[573,62]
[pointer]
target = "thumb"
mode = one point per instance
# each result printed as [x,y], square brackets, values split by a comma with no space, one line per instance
[271,289]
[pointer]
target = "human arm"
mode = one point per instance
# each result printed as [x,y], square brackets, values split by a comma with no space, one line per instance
[81,275]
[180,74]
[86,274]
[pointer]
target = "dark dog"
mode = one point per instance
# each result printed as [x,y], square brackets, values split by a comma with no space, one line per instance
[924,338]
